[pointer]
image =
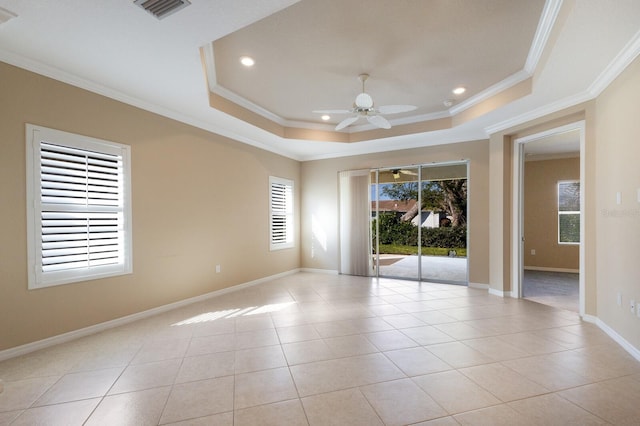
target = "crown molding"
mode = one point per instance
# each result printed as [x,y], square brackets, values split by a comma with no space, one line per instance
[541,37]
[622,60]
[489,92]
[545,25]
[91,86]
[538,112]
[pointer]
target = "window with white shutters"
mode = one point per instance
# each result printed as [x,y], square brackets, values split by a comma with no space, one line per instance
[281,213]
[78,207]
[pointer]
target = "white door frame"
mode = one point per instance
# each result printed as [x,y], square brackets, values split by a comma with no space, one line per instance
[517,225]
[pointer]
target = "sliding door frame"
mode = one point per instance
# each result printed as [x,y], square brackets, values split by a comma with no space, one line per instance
[419,168]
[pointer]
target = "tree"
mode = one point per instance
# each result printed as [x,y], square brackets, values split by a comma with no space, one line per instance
[449,196]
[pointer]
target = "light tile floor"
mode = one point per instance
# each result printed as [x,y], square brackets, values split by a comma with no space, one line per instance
[333,350]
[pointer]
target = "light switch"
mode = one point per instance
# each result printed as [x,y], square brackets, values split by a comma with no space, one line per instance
[618,197]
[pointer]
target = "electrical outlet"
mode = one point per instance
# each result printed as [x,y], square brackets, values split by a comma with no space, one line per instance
[632,306]
[533,252]
[218,269]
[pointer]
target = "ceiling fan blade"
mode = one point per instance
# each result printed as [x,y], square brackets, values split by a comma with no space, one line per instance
[332,111]
[379,121]
[408,172]
[347,121]
[395,109]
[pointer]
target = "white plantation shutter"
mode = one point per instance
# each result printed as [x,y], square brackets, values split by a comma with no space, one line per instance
[281,213]
[80,199]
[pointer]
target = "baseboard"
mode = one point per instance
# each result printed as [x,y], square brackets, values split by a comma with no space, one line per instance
[501,293]
[479,286]
[96,328]
[320,271]
[545,269]
[496,292]
[633,351]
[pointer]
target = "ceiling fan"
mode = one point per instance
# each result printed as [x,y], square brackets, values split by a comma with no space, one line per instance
[363,107]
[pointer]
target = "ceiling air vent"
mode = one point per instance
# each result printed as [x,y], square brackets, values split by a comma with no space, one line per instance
[162,8]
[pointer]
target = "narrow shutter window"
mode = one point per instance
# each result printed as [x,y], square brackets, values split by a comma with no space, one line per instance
[281,213]
[79,218]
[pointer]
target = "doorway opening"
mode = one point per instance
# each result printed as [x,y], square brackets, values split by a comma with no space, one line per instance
[549,229]
[419,222]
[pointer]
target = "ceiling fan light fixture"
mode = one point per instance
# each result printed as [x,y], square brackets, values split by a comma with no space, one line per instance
[363,100]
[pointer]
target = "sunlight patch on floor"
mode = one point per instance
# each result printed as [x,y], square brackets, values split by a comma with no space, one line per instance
[234,313]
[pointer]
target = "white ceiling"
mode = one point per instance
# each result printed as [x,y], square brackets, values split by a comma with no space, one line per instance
[571,48]
[557,145]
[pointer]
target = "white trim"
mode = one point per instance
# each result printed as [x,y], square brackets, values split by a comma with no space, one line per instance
[480,286]
[320,271]
[545,25]
[209,65]
[542,111]
[622,60]
[626,55]
[501,293]
[517,180]
[545,269]
[91,86]
[496,292]
[487,93]
[633,351]
[92,329]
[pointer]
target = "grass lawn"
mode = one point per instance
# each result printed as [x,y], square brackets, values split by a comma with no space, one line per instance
[426,251]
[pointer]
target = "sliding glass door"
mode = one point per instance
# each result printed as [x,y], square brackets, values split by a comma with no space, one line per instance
[419,222]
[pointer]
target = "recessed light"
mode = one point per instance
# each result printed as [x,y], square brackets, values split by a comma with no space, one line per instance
[247,61]
[459,90]
[326,117]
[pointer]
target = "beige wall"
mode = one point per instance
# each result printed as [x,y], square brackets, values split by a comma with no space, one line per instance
[618,225]
[499,213]
[198,200]
[320,201]
[541,214]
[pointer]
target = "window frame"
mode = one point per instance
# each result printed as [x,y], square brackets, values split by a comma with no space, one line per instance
[568,212]
[37,278]
[288,214]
